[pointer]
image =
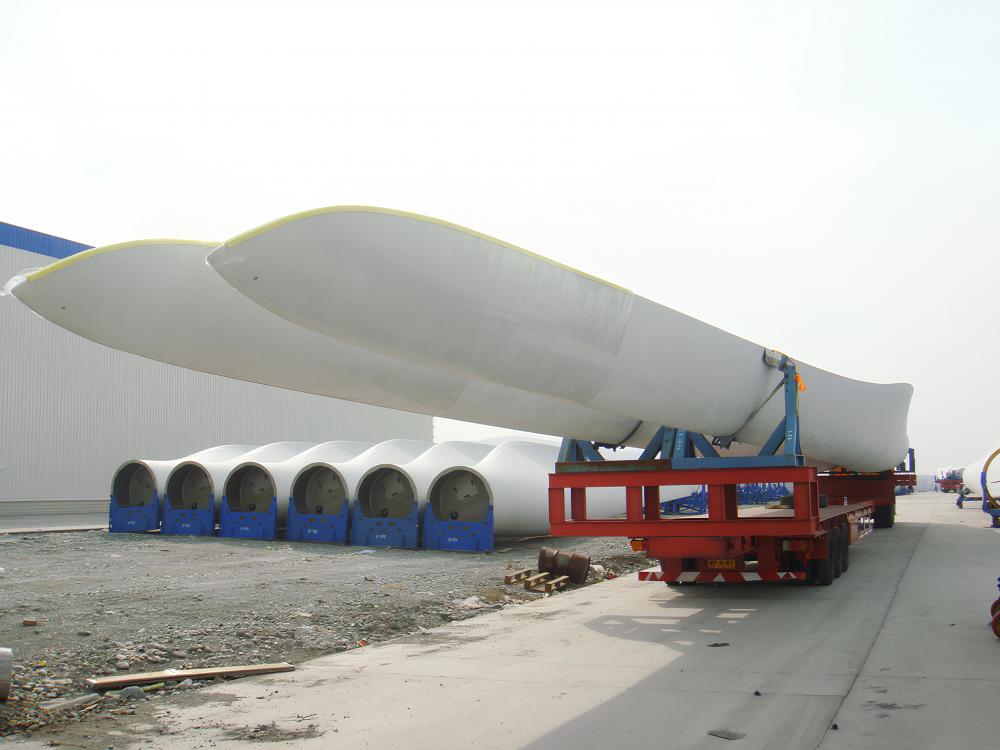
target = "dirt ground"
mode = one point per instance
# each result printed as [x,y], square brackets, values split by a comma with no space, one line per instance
[119,603]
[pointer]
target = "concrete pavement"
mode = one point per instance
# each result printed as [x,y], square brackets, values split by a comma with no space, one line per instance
[897,654]
[27,516]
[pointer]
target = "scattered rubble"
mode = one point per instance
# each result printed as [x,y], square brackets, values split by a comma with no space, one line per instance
[188,603]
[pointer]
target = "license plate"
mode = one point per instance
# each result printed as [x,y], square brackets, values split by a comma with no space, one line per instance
[728,564]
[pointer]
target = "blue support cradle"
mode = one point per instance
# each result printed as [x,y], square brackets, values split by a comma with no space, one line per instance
[331,528]
[239,524]
[457,536]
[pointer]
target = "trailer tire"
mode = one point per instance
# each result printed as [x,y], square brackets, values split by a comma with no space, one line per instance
[845,548]
[836,542]
[885,516]
[822,571]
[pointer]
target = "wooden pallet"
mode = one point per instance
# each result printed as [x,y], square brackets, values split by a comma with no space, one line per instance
[537,582]
[516,576]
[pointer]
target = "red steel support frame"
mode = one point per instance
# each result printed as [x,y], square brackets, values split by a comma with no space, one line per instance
[642,480]
[718,546]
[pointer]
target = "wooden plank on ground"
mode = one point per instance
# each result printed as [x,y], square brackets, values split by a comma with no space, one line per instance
[55,706]
[517,575]
[548,587]
[535,579]
[560,582]
[145,678]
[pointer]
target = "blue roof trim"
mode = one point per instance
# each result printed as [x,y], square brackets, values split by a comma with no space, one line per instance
[37,242]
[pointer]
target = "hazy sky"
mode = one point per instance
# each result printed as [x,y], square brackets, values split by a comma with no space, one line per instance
[823,178]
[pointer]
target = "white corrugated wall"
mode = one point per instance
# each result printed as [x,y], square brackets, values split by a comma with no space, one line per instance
[71,410]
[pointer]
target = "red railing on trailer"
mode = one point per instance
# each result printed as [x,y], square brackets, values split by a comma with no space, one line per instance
[730,543]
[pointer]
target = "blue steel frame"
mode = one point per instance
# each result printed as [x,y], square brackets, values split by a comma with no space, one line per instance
[456,536]
[678,446]
[240,524]
[134,518]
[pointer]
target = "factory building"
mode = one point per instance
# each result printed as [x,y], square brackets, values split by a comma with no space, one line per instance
[72,410]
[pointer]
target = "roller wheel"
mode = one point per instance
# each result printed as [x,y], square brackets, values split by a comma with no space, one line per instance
[995,608]
[885,516]
[996,624]
[845,549]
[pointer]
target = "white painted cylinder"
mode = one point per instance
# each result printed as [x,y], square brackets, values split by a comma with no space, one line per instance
[388,490]
[443,296]
[198,481]
[262,476]
[135,481]
[345,475]
[317,487]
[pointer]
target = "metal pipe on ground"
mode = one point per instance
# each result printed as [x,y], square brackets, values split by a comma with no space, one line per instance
[573,565]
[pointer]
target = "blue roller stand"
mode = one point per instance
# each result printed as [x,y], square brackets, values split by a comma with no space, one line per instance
[383,532]
[255,524]
[188,521]
[760,494]
[749,494]
[457,536]
[693,504]
[317,527]
[134,518]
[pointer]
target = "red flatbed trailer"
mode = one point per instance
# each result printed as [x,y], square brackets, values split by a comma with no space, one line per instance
[949,485]
[807,541]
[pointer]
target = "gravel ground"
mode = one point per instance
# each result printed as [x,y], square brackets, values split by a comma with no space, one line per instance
[119,603]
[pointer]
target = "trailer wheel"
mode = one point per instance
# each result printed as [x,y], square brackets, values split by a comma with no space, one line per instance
[995,608]
[836,542]
[885,516]
[996,624]
[845,548]
[822,570]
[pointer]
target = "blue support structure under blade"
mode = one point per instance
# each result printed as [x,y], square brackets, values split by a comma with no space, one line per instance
[456,535]
[331,528]
[239,524]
